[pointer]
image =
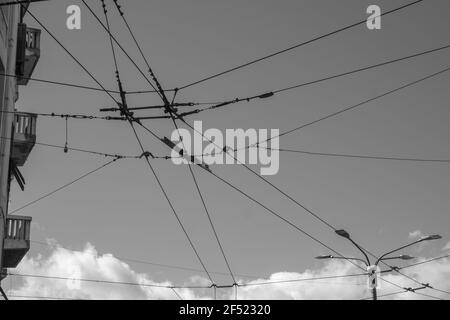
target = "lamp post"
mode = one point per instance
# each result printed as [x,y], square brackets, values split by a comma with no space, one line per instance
[383,257]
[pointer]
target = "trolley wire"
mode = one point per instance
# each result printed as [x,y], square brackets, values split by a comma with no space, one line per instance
[206,210]
[150,70]
[146,157]
[295,46]
[341,111]
[341,155]
[112,38]
[149,81]
[304,84]
[334,114]
[169,110]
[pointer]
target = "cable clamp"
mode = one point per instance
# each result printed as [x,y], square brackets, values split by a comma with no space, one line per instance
[146,154]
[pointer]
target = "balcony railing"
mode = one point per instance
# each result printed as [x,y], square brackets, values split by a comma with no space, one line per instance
[24,137]
[28,52]
[18,228]
[17,240]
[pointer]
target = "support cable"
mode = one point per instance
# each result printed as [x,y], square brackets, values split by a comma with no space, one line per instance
[63,187]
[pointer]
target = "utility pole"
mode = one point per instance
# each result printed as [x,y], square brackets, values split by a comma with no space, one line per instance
[372,269]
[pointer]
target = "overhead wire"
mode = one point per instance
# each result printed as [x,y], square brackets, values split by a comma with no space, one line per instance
[97,153]
[170,111]
[155,285]
[272,93]
[207,211]
[155,264]
[356,156]
[296,46]
[110,34]
[288,196]
[112,38]
[146,157]
[63,186]
[334,114]
[150,70]
[424,262]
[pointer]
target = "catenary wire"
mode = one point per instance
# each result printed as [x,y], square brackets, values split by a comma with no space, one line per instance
[341,155]
[72,56]
[167,103]
[146,156]
[269,94]
[121,47]
[206,209]
[150,70]
[295,46]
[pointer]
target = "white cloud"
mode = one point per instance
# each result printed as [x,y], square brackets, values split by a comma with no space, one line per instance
[446,247]
[88,264]
[415,234]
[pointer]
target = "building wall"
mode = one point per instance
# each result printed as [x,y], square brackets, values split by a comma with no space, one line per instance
[9,18]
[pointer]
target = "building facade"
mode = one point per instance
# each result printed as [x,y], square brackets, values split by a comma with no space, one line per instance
[19,53]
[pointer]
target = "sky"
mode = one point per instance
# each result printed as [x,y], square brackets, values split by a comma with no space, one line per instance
[119,214]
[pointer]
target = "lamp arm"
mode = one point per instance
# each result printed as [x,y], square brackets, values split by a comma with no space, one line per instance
[360,249]
[395,250]
[357,259]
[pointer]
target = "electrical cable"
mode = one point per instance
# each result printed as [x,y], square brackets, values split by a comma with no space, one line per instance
[295,46]
[130,119]
[151,263]
[63,187]
[206,208]
[120,46]
[109,155]
[340,155]
[304,84]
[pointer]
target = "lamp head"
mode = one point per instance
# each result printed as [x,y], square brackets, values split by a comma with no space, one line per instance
[405,257]
[343,233]
[324,257]
[431,237]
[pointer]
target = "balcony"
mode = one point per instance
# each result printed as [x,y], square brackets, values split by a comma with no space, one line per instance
[28,52]
[17,240]
[24,137]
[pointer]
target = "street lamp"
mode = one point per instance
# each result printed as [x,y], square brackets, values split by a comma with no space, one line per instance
[346,235]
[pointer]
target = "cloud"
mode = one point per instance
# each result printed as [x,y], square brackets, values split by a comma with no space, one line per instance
[415,234]
[88,264]
[446,247]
